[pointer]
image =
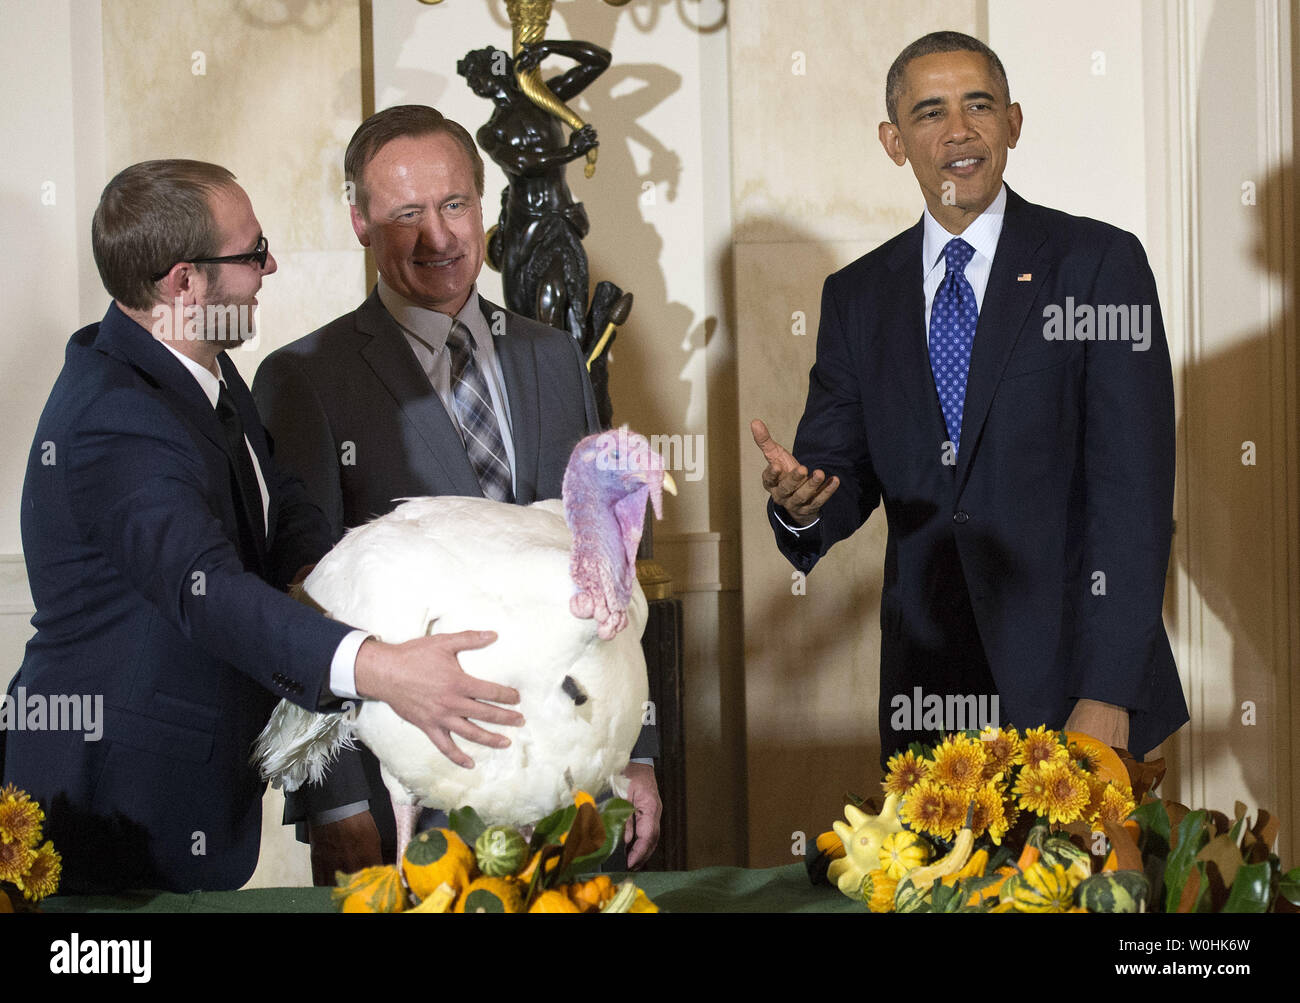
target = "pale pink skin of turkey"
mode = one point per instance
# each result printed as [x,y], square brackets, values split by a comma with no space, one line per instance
[607,531]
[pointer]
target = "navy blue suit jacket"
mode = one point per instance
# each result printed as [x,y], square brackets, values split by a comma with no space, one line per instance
[142,597]
[1066,469]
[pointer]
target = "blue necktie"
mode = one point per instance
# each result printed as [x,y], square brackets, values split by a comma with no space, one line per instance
[953,317]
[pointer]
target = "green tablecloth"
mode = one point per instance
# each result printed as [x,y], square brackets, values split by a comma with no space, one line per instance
[710,889]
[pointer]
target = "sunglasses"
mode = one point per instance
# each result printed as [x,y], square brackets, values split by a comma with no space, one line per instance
[257,256]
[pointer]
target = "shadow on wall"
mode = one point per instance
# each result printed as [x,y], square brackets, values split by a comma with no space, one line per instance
[1227,425]
[797,647]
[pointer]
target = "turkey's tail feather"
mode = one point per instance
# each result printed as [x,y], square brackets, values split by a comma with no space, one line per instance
[297,745]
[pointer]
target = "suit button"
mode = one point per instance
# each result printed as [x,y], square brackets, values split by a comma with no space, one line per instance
[961,517]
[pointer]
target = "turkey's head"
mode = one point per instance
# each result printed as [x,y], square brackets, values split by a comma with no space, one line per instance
[609,478]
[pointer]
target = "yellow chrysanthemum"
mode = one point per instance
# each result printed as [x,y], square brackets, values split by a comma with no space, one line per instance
[1056,789]
[956,804]
[1116,805]
[15,859]
[20,821]
[990,815]
[904,772]
[42,877]
[958,763]
[1096,791]
[1002,750]
[924,807]
[1041,745]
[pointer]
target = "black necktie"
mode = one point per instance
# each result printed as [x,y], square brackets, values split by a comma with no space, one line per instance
[248,496]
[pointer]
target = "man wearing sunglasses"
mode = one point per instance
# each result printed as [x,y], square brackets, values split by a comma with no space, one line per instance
[159,536]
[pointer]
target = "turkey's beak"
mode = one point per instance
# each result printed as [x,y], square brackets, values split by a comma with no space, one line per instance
[670,485]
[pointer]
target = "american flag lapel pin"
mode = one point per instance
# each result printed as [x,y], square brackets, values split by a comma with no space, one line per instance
[1025,277]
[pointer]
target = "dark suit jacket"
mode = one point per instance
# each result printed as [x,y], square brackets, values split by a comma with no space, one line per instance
[354,415]
[1066,469]
[143,598]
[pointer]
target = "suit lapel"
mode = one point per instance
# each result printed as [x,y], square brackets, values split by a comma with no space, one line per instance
[396,367]
[1022,249]
[906,326]
[519,369]
[122,337]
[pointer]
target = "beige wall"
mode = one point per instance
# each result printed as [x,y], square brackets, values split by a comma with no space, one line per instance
[765,179]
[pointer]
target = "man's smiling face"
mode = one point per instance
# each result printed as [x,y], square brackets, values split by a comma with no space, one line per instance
[423,220]
[955,127]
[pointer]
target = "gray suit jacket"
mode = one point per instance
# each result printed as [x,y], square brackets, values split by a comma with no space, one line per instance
[352,413]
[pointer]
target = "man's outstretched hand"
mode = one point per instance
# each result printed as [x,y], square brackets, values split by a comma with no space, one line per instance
[788,482]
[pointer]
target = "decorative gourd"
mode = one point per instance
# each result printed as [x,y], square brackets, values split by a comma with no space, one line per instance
[1044,888]
[902,852]
[909,898]
[1055,849]
[1119,891]
[1109,766]
[374,889]
[495,895]
[982,890]
[974,868]
[500,851]
[593,895]
[829,844]
[435,857]
[862,840]
[878,890]
[924,877]
[439,901]
[553,900]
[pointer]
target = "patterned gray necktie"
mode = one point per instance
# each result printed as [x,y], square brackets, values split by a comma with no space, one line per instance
[478,422]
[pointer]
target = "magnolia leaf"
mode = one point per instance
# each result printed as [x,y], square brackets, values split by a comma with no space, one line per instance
[1289,886]
[1220,822]
[1154,820]
[466,824]
[1265,832]
[1181,862]
[1177,812]
[1193,890]
[552,827]
[1127,855]
[1250,892]
[1222,859]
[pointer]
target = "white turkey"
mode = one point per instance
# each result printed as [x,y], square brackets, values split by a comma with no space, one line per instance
[555,580]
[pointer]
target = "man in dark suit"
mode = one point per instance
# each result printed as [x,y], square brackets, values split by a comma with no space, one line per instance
[998,376]
[378,406]
[159,534]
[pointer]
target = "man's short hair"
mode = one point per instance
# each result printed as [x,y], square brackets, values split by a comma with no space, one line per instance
[151,216]
[392,123]
[929,45]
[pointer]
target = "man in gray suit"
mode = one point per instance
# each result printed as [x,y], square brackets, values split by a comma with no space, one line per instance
[426,389]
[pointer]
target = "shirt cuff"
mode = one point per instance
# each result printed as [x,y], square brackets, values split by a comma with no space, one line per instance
[343,667]
[338,814]
[796,530]
[643,761]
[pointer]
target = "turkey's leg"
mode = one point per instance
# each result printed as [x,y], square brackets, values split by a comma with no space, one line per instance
[405,814]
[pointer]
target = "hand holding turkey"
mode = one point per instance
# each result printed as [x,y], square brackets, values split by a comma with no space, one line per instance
[424,683]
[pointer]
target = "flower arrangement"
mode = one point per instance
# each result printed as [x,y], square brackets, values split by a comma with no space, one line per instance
[470,867]
[29,870]
[1058,826]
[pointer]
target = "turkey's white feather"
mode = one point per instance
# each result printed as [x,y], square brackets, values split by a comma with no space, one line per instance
[441,565]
